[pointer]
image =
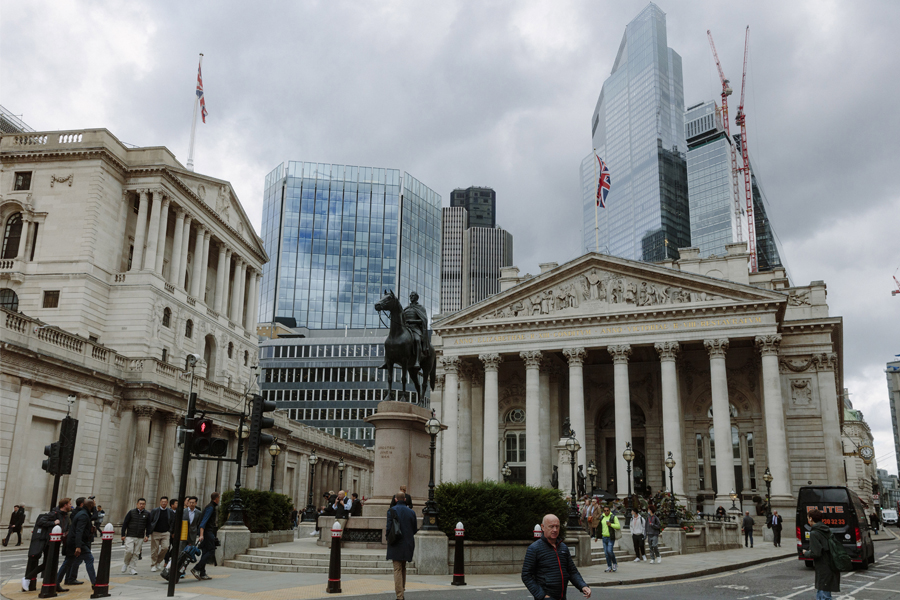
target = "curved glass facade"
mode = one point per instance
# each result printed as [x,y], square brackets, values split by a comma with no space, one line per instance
[339,235]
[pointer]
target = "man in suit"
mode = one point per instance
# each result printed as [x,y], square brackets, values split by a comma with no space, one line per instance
[401,551]
[777,524]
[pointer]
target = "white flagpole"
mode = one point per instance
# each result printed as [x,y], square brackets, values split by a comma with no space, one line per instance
[596,208]
[190,162]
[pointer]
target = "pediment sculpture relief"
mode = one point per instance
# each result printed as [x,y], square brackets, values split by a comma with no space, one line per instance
[597,288]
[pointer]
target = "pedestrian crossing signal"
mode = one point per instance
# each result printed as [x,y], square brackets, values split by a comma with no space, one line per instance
[203,441]
[51,463]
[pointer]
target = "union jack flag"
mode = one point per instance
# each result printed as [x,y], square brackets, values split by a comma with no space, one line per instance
[604,184]
[203,111]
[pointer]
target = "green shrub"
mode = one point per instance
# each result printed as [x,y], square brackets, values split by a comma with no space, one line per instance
[263,511]
[496,511]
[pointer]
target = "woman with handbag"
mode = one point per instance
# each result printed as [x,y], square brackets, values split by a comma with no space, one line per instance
[610,530]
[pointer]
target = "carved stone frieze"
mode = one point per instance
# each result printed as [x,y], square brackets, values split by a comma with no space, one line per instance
[827,361]
[70,179]
[793,366]
[801,393]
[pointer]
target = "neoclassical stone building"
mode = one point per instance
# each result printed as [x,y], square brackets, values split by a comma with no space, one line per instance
[685,356]
[117,262]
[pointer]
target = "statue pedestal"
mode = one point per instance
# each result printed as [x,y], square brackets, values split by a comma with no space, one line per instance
[402,456]
[565,468]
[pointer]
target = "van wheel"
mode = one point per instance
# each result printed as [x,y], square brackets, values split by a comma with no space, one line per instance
[864,565]
[872,557]
[809,564]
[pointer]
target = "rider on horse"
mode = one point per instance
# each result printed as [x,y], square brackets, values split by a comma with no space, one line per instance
[416,318]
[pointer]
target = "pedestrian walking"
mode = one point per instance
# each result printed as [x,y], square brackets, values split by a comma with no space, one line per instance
[873,520]
[827,579]
[192,516]
[66,573]
[638,528]
[159,528]
[16,520]
[654,527]
[776,524]
[747,526]
[609,524]
[135,531]
[79,544]
[206,539]
[402,550]
[40,540]
[548,567]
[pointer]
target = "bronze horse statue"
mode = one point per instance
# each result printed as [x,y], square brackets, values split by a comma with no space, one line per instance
[399,348]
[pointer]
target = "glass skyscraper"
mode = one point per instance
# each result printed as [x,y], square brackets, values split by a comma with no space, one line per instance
[338,236]
[638,130]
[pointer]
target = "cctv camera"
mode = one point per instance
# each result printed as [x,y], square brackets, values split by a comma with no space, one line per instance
[192,359]
[71,398]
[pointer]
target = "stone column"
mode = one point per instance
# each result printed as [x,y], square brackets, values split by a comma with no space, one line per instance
[707,463]
[671,408]
[477,424]
[826,366]
[721,419]
[547,441]
[450,399]
[622,393]
[166,480]
[204,267]
[139,473]
[575,356]
[18,450]
[23,240]
[161,237]
[253,321]
[185,247]
[153,231]
[178,236]
[491,416]
[103,446]
[222,279]
[140,233]
[776,439]
[235,288]
[554,416]
[242,284]
[249,323]
[464,433]
[532,417]
[198,260]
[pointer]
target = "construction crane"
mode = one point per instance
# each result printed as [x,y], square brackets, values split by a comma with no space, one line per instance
[727,91]
[897,281]
[741,120]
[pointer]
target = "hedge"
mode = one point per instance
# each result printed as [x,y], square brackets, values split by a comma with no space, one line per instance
[263,510]
[496,511]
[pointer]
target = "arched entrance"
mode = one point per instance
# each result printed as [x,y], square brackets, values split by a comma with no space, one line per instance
[209,356]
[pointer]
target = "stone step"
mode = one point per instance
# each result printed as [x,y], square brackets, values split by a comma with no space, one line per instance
[255,566]
[319,561]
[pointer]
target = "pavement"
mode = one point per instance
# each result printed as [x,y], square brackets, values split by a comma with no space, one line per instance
[240,584]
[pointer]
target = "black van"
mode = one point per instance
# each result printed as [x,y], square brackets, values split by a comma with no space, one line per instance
[844,515]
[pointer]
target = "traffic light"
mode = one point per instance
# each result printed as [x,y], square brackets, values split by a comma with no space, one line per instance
[51,463]
[257,423]
[67,436]
[203,441]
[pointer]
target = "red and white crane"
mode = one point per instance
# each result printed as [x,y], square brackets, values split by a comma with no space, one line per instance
[727,91]
[741,120]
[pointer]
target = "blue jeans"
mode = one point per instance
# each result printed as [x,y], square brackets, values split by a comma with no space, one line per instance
[608,551]
[823,595]
[88,559]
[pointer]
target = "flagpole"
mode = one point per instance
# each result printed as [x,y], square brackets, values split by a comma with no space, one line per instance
[596,208]
[190,161]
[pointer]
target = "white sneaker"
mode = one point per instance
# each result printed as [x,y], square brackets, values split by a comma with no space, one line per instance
[124,567]
[638,559]
[659,560]
[25,584]
[644,558]
[153,569]
[132,572]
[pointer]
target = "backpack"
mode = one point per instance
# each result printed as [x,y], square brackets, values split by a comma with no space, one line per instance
[840,561]
[394,533]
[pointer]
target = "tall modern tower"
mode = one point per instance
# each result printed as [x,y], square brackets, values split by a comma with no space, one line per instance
[638,130]
[712,191]
[479,202]
[338,236]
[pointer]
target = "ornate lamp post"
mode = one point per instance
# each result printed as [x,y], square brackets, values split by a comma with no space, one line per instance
[670,463]
[430,510]
[768,478]
[506,472]
[310,513]
[573,447]
[628,455]
[341,467]
[592,473]
[733,495]
[274,451]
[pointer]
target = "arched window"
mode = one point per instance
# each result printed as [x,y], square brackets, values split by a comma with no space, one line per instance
[516,416]
[9,300]
[230,349]
[12,233]
[189,329]
[246,357]
[167,317]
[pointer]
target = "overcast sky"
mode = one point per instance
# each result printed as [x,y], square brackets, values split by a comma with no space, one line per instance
[501,94]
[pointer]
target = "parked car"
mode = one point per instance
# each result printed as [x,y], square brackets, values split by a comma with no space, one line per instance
[844,515]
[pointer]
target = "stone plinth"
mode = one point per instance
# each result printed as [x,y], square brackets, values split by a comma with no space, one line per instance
[234,540]
[579,544]
[431,553]
[402,456]
[564,462]
[359,532]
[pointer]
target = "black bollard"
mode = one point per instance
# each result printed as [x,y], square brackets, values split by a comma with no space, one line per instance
[51,564]
[459,561]
[101,587]
[334,565]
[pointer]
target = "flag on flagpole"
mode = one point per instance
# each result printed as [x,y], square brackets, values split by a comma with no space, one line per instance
[604,184]
[203,111]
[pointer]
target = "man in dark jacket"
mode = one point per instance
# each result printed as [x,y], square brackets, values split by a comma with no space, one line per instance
[408,500]
[356,509]
[827,579]
[135,531]
[747,526]
[206,541]
[777,524]
[401,551]
[78,543]
[548,566]
[15,524]
[40,539]
[159,528]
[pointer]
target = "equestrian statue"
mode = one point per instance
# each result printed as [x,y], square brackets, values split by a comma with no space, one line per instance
[407,343]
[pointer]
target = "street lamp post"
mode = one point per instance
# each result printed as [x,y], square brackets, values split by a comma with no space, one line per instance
[768,478]
[733,495]
[592,473]
[430,510]
[310,513]
[670,463]
[506,472]
[341,467]
[274,451]
[628,455]
[573,447]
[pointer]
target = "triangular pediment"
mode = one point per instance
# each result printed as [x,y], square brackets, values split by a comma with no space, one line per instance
[598,284]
